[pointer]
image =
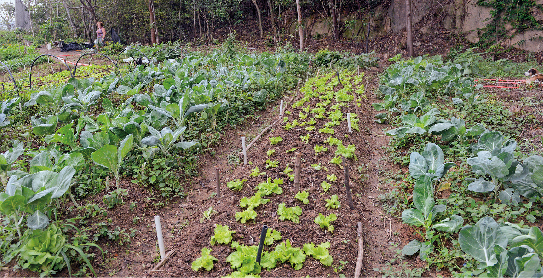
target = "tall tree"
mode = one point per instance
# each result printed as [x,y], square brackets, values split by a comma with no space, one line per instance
[259,19]
[272,20]
[408,28]
[154,37]
[333,10]
[300,27]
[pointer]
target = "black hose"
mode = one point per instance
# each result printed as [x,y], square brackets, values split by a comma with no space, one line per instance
[32,65]
[77,63]
[261,245]
[11,75]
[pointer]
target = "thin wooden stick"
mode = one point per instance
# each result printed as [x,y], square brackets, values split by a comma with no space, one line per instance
[348,187]
[260,135]
[163,261]
[244,150]
[358,268]
[297,172]
[218,180]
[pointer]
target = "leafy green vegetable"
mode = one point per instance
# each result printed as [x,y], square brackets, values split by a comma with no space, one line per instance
[269,187]
[337,160]
[292,213]
[205,261]
[320,252]
[346,152]
[331,178]
[333,202]
[319,149]
[271,163]
[285,252]
[325,186]
[236,184]
[275,140]
[303,197]
[222,235]
[430,163]
[272,236]
[480,240]
[325,222]
[246,215]
[256,172]
[253,202]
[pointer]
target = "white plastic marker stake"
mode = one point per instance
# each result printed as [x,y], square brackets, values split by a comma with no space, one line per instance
[159,236]
[281,109]
[244,150]
[349,121]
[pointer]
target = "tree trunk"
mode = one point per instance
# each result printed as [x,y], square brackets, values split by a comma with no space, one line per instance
[72,24]
[300,27]
[152,22]
[259,19]
[333,9]
[408,28]
[272,20]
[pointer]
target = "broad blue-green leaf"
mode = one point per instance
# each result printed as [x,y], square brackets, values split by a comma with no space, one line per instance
[513,255]
[529,264]
[509,196]
[450,225]
[413,217]
[537,176]
[440,127]
[42,179]
[423,191]
[125,147]
[411,248]
[416,129]
[63,181]
[38,220]
[12,204]
[417,165]
[106,156]
[11,187]
[160,111]
[490,141]
[398,132]
[534,240]
[479,240]
[434,157]
[41,194]
[481,185]
[186,145]
[14,153]
[196,109]
[41,162]
[150,141]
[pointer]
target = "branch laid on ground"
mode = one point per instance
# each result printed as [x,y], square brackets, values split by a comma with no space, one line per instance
[358,268]
[161,263]
[260,135]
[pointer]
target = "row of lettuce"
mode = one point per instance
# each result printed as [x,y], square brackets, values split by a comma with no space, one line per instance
[171,111]
[430,102]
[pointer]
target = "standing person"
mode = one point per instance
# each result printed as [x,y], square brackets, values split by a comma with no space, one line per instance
[100,34]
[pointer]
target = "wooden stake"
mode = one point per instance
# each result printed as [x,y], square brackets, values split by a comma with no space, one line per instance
[218,180]
[349,122]
[297,172]
[348,187]
[244,150]
[163,261]
[358,268]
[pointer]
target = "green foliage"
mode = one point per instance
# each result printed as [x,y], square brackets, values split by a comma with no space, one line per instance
[275,140]
[271,163]
[325,186]
[319,149]
[269,187]
[206,215]
[333,202]
[205,261]
[115,197]
[292,213]
[325,222]
[272,236]
[270,152]
[253,202]
[347,152]
[331,178]
[246,215]
[222,235]
[284,252]
[236,184]
[303,197]
[256,172]
[320,252]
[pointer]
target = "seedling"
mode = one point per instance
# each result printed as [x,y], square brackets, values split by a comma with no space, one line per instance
[236,184]
[222,235]
[305,138]
[337,160]
[270,152]
[269,187]
[331,178]
[333,202]
[292,213]
[256,172]
[244,216]
[205,261]
[326,130]
[319,149]
[272,236]
[303,197]
[207,214]
[271,164]
[325,186]
[291,150]
[275,140]
[325,222]
[253,202]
